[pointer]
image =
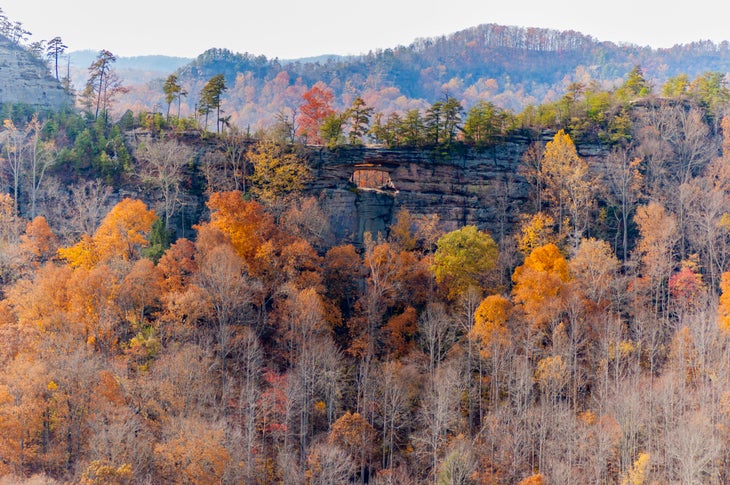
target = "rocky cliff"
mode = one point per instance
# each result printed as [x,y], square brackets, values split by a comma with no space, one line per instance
[26,79]
[363,188]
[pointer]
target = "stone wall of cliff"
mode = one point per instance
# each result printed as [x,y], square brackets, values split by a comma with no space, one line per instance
[482,188]
[26,79]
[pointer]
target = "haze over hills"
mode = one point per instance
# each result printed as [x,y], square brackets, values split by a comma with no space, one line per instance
[510,66]
[133,70]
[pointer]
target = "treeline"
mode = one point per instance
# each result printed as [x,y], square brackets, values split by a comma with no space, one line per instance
[511,67]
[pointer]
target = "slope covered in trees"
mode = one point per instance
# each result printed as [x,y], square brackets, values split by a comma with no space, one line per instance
[512,67]
[175,309]
[587,343]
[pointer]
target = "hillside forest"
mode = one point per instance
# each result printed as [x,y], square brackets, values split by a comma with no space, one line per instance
[174,308]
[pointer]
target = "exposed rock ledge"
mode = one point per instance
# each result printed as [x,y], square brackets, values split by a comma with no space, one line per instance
[26,79]
[475,187]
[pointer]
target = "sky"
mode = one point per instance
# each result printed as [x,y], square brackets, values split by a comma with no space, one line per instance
[289,29]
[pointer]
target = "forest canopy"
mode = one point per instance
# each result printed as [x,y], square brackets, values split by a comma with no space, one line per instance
[175,307]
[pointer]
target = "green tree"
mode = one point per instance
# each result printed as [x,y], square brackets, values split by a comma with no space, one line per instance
[452,112]
[387,133]
[54,49]
[210,99]
[331,131]
[38,48]
[710,90]
[635,86]
[484,123]
[173,90]
[413,128]
[359,118]
[103,84]
[676,87]
[433,122]
[463,259]
[443,119]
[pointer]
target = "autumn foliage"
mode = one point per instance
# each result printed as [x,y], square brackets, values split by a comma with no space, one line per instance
[121,234]
[259,348]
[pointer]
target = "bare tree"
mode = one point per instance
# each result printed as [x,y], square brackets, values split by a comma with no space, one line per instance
[229,293]
[13,140]
[249,360]
[438,414]
[624,183]
[328,464]
[162,166]
[42,157]
[397,386]
[235,149]
[90,202]
[693,448]
[438,334]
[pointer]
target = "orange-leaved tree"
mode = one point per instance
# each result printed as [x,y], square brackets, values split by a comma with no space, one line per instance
[39,242]
[316,108]
[533,480]
[356,436]
[540,285]
[245,223]
[121,235]
[724,307]
[490,324]
[493,336]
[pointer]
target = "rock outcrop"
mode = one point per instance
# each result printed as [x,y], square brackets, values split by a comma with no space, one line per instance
[482,188]
[26,79]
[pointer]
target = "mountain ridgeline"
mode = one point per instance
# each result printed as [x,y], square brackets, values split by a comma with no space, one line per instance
[512,67]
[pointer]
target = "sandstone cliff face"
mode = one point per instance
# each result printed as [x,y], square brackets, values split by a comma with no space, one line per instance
[25,79]
[481,188]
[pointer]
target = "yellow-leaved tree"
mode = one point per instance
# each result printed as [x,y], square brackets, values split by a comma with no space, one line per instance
[463,259]
[637,474]
[568,185]
[536,231]
[276,172]
[723,312]
[121,234]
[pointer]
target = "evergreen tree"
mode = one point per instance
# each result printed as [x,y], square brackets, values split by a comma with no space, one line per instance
[103,84]
[359,117]
[54,49]
[173,90]
[210,99]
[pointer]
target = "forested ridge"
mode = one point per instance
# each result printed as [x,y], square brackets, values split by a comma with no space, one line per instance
[174,308]
[511,67]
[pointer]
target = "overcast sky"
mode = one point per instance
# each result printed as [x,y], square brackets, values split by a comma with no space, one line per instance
[299,28]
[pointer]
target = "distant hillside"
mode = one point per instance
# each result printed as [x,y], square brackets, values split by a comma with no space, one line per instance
[83,59]
[26,79]
[510,66]
[137,70]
